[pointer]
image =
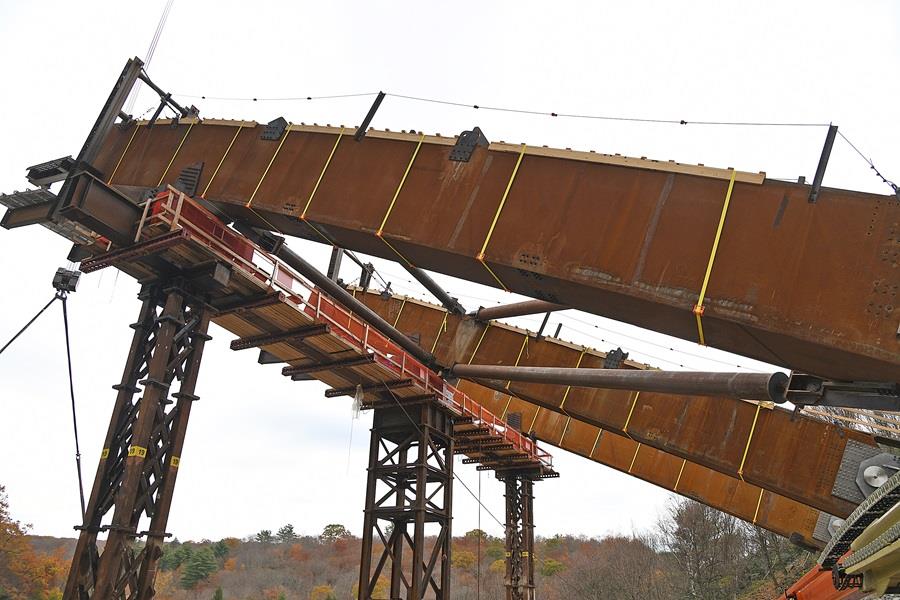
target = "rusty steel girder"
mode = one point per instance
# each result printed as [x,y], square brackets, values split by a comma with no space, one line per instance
[790,455]
[809,286]
[750,503]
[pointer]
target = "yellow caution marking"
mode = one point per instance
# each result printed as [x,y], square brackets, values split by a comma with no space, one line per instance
[698,308]
[138,451]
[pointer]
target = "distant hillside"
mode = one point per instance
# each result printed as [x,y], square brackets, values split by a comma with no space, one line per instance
[695,552]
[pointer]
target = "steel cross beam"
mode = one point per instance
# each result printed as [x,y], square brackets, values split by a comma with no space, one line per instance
[519,579]
[408,503]
[135,479]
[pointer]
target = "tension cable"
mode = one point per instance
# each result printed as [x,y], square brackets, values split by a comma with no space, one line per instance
[64,281]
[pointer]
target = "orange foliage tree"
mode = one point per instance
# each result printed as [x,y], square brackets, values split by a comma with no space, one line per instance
[23,572]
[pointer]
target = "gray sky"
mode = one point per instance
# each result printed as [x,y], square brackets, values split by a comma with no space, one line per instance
[262,451]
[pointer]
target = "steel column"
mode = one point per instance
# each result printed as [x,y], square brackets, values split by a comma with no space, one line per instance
[519,578]
[138,466]
[409,487]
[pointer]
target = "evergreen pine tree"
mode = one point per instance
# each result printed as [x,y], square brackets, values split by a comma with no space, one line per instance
[199,566]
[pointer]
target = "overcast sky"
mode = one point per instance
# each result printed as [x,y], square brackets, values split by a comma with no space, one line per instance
[262,451]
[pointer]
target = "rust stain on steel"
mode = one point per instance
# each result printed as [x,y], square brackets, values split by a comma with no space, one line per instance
[778,514]
[797,458]
[791,294]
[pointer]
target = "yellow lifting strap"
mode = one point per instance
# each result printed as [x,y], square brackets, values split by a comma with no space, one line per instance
[596,443]
[634,458]
[680,471]
[506,408]
[698,308]
[121,158]
[380,232]
[172,160]
[322,174]
[522,348]
[758,503]
[222,160]
[569,387]
[759,405]
[534,419]
[269,166]
[481,339]
[400,186]
[441,329]
[630,411]
[490,232]
[400,312]
[565,429]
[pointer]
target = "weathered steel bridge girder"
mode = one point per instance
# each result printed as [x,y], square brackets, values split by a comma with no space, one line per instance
[626,238]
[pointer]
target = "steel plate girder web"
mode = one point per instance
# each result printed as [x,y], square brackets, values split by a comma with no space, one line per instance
[793,456]
[773,512]
[630,239]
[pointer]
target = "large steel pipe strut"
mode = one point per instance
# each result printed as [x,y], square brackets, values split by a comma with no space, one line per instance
[517,309]
[336,291]
[741,386]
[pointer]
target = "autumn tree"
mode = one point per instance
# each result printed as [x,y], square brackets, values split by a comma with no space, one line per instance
[708,547]
[463,559]
[322,592]
[23,572]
